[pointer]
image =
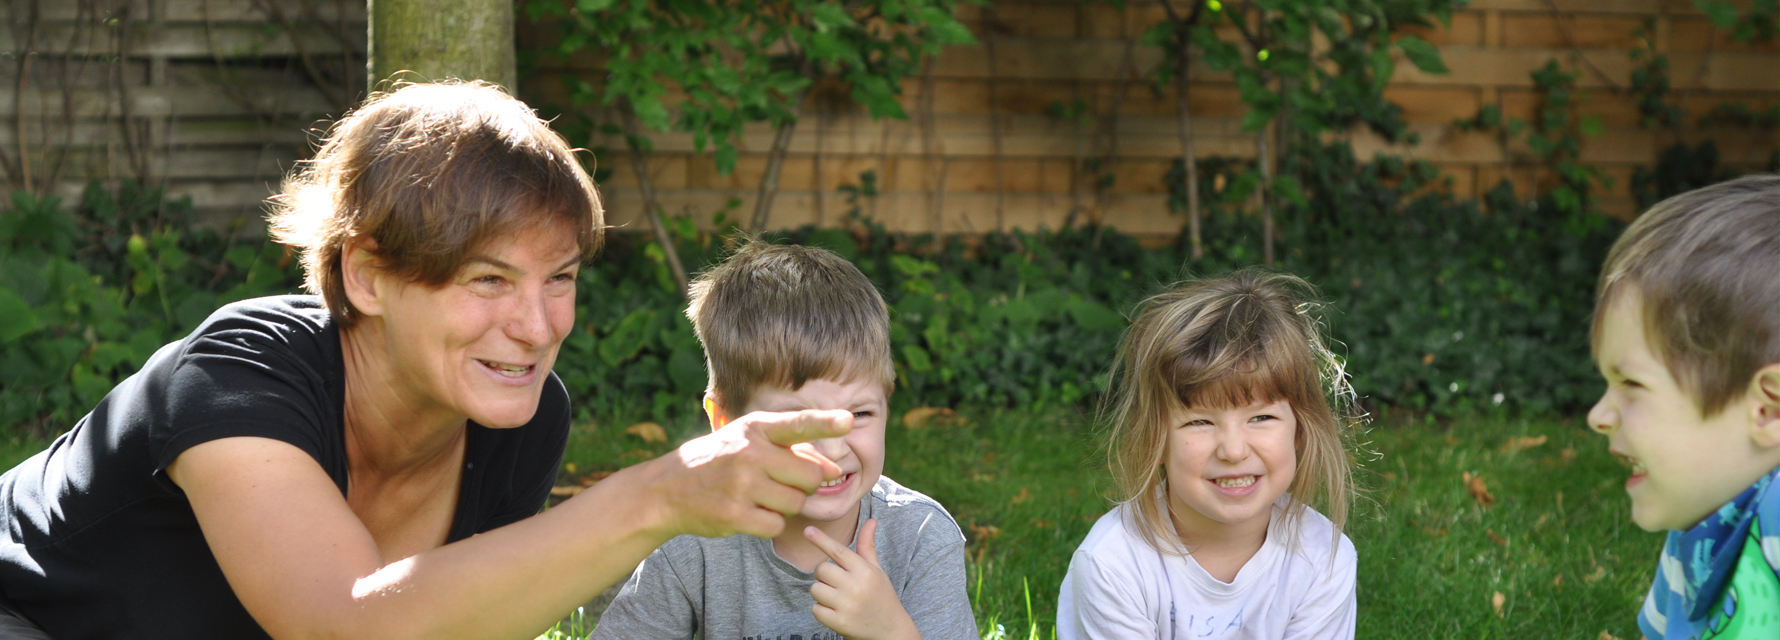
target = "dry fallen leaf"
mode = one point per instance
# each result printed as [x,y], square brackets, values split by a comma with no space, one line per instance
[1522,443]
[984,532]
[1558,582]
[921,417]
[1498,539]
[1600,572]
[1043,524]
[1496,602]
[1022,496]
[1606,636]
[566,492]
[1568,454]
[648,431]
[1479,491]
[1428,359]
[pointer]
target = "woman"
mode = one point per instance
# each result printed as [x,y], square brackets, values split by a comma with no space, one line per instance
[367,462]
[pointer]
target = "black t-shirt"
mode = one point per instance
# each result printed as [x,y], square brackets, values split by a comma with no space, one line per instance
[96,541]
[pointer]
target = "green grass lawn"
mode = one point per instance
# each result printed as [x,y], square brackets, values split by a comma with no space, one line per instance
[1555,541]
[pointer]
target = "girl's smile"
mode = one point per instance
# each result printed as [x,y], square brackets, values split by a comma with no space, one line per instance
[1226,467]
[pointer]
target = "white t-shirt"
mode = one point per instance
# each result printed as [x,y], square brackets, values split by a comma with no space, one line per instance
[1118,586]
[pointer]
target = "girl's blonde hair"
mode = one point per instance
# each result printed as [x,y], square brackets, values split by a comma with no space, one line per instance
[1227,342]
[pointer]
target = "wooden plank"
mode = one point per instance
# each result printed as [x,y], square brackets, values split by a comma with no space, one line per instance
[1696,33]
[197,11]
[1572,6]
[181,132]
[246,195]
[1434,104]
[68,11]
[1044,20]
[184,40]
[296,99]
[969,135]
[1614,110]
[1467,28]
[1586,31]
[268,163]
[249,11]
[962,213]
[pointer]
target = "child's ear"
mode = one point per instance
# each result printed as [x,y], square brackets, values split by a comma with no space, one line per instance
[714,412]
[1764,393]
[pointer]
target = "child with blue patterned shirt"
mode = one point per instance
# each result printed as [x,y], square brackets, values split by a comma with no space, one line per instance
[1687,334]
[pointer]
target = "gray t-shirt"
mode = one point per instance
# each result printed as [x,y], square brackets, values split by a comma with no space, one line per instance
[737,588]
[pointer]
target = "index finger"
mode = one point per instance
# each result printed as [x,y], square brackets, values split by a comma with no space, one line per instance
[832,548]
[803,426]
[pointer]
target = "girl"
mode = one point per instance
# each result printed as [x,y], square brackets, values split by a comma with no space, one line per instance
[1228,417]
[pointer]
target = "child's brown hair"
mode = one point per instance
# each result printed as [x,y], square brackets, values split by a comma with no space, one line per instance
[784,315]
[1223,342]
[1706,265]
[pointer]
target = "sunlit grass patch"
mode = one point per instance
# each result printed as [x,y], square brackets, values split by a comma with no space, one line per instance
[1453,514]
[1542,520]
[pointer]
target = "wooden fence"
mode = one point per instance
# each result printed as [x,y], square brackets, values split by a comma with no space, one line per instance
[212,99]
[216,99]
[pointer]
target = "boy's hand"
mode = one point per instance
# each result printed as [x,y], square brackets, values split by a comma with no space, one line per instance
[853,596]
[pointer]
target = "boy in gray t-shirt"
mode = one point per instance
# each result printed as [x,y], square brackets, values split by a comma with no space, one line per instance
[787,328]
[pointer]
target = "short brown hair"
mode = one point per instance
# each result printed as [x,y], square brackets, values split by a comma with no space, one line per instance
[1227,342]
[1706,264]
[430,172]
[784,315]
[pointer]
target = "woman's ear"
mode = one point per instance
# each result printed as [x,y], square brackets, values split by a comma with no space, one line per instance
[1764,396]
[359,274]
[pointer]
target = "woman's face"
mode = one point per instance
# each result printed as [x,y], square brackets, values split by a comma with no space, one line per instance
[482,345]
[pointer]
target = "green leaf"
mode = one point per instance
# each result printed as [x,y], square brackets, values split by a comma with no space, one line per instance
[828,16]
[628,338]
[726,158]
[1093,316]
[1383,66]
[16,317]
[592,6]
[687,368]
[1422,54]
[650,112]
[951,32]
[1722,14]
[917,358]
[1258,117]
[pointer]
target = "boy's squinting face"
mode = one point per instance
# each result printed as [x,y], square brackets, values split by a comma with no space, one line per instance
[1226,467]
[1683,466]
[860,453]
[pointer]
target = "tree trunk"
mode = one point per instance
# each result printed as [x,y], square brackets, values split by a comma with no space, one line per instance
[769,183]
[651,207]
[1188,162]
[439,39]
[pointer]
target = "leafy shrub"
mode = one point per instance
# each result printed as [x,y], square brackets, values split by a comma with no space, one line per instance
[87,295]
[1439,305]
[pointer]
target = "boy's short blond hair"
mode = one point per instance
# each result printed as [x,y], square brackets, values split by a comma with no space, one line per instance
[1706,265]
[1227,342]
[783,315]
